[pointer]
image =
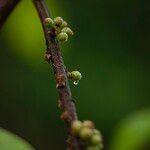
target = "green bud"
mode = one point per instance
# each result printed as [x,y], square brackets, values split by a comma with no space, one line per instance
[75,127]
[64,24]
[58,21]
[49,22]
[96,139]
[67,30]
[85,133]
[95,131]
[101,146]
[75,75]
[93,148]
[88,123]
[62,37]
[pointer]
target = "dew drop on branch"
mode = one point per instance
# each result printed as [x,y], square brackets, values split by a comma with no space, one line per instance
[75,82]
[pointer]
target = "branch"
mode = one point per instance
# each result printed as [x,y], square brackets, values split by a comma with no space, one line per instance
[6,7]
[53,53]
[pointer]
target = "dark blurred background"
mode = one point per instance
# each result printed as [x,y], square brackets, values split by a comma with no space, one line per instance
[111,48]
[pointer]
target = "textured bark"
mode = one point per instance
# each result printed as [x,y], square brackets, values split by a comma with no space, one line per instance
[53,55]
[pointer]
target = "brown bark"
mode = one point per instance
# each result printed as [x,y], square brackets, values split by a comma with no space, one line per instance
[6,7]
[53,54]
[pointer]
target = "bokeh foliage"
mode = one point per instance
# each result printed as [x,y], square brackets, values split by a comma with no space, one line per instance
[12,142]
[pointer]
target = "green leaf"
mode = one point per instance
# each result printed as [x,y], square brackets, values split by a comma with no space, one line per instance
[133,133]
[9,141]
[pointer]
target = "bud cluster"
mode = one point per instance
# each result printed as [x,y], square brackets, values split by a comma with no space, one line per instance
[62,31]
[86,131]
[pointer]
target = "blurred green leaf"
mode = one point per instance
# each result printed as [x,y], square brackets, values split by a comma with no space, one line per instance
[9,141]
[133,133]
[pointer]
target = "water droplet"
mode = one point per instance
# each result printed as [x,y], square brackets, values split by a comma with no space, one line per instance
[75,82]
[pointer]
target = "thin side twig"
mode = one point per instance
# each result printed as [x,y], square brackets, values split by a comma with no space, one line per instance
[53,54]
[6,7]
